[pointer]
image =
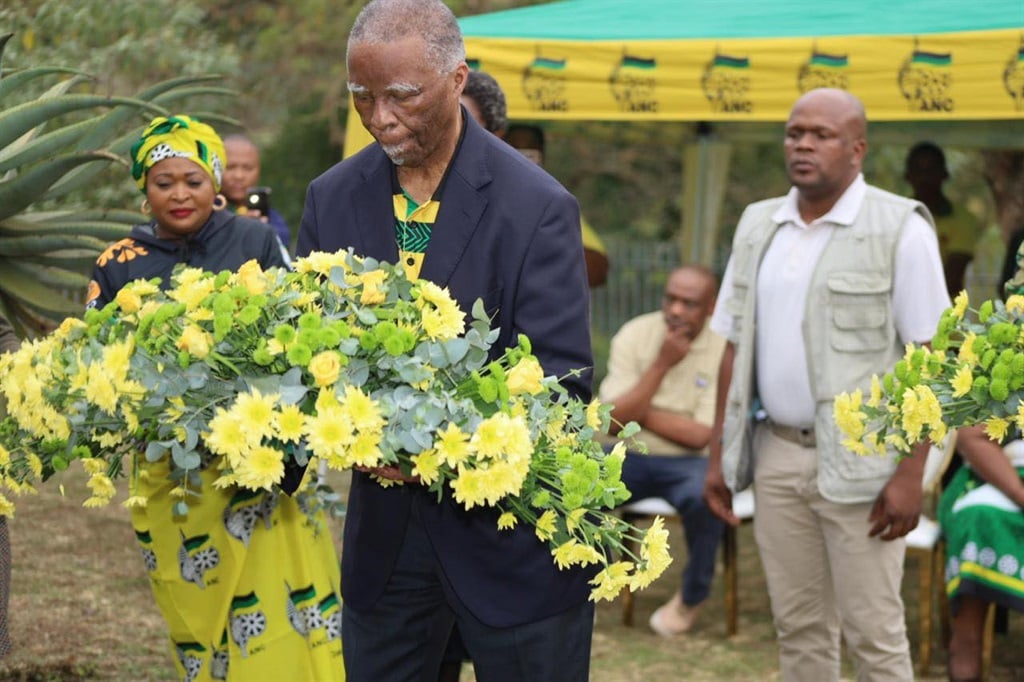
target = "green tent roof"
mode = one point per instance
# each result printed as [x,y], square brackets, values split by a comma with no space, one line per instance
[692,19]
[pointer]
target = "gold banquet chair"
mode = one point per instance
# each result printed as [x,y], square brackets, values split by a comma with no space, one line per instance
[742,506]
[925,542]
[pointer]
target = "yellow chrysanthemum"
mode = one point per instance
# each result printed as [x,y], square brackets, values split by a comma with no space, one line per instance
[452,445]
[876,392]
[365,450]
[136,502]
[99,390]
[489,438]
[996,428]
[962,381]
[920,407]
[6,507]
[320,262]
[545,526]
[960,305]
[260,469]
[573,518]
[427,466]
[328,434]
[93,465]
[192,291]
[593,414]
[227,436]
[290,423]
[654,545]
[499,481]
[362,410]
[898,442]
[967,355]
[848,415]
[507,521]
[610,581]
[255,412]
[1019,417]
[442,318]
[466,487]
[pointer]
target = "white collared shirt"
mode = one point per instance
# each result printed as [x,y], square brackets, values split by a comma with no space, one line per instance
[918,297]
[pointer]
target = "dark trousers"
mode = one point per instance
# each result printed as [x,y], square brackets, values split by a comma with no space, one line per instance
[680,481]
[403,637]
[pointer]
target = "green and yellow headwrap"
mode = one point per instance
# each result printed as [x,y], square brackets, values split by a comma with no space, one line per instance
[182,136]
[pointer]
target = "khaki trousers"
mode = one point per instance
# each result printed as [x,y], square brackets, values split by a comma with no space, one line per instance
[824,574]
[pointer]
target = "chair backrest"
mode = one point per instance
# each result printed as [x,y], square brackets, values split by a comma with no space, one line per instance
[939,457]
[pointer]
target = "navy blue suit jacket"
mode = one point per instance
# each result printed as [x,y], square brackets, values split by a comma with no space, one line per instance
[508,233]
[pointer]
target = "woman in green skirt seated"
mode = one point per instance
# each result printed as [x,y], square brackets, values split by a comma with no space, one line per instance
[982,516]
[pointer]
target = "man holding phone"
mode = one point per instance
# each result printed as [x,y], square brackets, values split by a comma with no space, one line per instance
[240,186]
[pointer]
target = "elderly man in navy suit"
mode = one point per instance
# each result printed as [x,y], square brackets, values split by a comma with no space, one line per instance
[455,205]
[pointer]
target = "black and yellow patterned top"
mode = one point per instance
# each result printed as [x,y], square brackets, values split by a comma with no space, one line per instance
[413,226]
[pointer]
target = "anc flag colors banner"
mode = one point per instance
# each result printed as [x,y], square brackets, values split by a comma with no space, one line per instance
[964,75]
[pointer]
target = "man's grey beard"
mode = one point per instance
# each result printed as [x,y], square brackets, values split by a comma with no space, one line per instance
[394,153]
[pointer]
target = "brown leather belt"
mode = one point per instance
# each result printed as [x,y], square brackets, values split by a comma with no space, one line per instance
[802,437]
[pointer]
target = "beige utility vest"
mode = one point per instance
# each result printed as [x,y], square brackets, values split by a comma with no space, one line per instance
[848,331]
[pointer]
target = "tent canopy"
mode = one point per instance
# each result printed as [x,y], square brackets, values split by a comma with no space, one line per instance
[736,60]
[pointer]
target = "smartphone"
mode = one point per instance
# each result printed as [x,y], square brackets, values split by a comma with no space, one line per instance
[258,199]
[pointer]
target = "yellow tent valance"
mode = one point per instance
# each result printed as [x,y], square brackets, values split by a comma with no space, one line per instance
[943,76]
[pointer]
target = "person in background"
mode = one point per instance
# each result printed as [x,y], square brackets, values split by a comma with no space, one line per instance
[529,140]
[662,374]
[455,205]
[485,101]
[1012,274]
[981,513]
[178,163]
[823,288]
[957,227]
[9,342]
[242,174]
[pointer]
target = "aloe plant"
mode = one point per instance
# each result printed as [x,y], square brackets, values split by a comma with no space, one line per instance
[51,146]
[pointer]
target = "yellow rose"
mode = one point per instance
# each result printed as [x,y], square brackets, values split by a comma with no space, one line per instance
[128,300]
[194,341]
[525,377]
[325,367]
[252,278]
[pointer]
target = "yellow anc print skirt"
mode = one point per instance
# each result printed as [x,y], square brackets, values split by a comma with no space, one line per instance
[248,582]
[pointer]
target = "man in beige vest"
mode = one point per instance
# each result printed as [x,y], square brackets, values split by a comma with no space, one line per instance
[823,289]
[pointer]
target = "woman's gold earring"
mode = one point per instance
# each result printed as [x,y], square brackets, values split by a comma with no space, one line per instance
[220,202]
[145,208]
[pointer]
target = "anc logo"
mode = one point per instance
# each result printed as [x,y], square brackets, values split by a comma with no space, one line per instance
[633,82]
[1013,77]
[823,70]
[726,84]
[544,84]
[925,80]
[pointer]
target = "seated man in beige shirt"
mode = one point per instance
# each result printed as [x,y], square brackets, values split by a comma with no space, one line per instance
[662,374]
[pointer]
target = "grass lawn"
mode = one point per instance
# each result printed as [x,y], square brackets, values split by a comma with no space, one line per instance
[81,610]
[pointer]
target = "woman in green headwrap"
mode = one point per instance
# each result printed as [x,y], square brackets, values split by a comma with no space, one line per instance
[248,586]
